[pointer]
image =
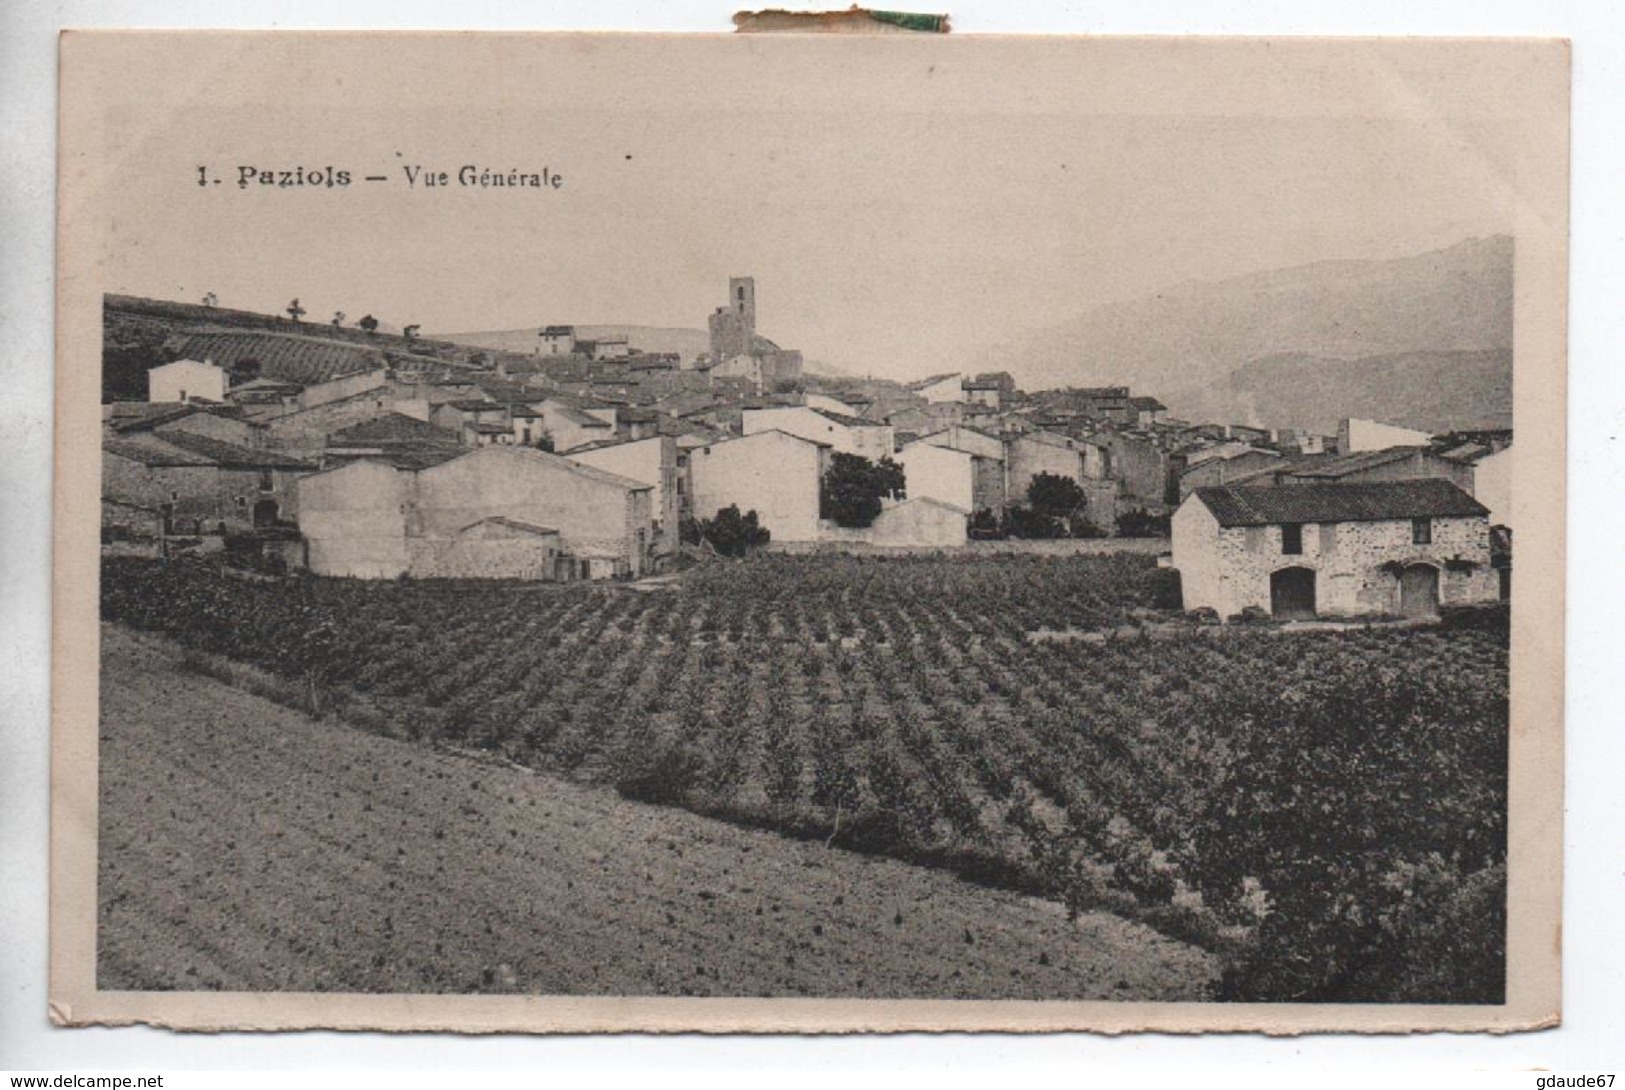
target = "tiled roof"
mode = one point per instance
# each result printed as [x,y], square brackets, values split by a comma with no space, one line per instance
[920,384]
[582,418]
[158,413]
[849,421]
[232,456]
[392,428]
[1373,502]
[1343,465]
[152,454]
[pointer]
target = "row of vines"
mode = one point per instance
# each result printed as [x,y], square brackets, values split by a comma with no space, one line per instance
[1328,809]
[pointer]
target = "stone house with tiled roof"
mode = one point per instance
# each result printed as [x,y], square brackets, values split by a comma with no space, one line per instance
[496,512]
[1318,550]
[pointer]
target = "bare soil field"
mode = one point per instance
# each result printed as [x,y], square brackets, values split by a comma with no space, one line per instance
[245,846]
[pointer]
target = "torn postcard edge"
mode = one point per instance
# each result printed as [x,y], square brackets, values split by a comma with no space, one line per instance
[854,20]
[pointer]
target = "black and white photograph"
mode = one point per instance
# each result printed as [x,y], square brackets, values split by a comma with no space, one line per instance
[1072,527]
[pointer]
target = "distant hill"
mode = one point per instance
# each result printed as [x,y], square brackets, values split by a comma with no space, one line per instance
[1431,391]
[1186,343]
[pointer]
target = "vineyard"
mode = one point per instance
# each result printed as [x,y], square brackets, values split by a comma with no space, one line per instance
[1325,809]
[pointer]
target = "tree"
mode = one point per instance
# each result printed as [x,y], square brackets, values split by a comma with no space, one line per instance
[1055,506]
[295,311]
[210,299]
[853,487]
[731,533]
[368,324]
[338,318]
[1055,496]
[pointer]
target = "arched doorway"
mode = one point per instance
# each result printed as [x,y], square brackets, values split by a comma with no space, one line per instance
[1292,594]
[1419,591]
[265,513]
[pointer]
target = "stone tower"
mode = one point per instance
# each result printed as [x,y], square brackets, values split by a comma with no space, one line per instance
[733,327]
[742,300]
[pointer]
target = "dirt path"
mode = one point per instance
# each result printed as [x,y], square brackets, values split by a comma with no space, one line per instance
[247,847]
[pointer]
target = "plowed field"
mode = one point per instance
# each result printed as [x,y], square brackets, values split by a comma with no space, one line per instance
[245,846]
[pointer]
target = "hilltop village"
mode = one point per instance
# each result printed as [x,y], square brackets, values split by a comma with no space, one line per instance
[351,452]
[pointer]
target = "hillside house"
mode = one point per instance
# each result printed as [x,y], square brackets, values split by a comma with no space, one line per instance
[845,434]
[133,420]
[200,485]
[475,421]
[774,473]
[925,419]
[526,424]
[829,404]
[1304,551]
[939,473]
[556,340]
[652,461]
[986,393]
[611,348]
[393,437]
[1145,411]
[1140,465]
[1231,463]
[1390,464]
[186,380]
[987,467]
[570,423]
[1102,403]
[498,512]
[303,432]
[1035,452]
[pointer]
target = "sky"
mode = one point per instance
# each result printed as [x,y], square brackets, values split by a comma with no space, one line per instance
[904,205]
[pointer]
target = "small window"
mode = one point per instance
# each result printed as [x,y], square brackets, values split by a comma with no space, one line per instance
[1292,539]
[242,502]
[1421,531]
[267,482]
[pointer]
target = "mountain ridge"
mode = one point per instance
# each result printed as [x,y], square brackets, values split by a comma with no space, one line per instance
[1188,343]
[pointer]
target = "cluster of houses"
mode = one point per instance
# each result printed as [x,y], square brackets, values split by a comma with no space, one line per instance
[585,466]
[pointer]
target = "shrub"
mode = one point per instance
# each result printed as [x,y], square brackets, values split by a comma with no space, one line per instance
[1140,523]
[733,534]
[1165,591]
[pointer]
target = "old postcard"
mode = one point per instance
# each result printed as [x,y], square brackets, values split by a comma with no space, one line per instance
[809,533]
